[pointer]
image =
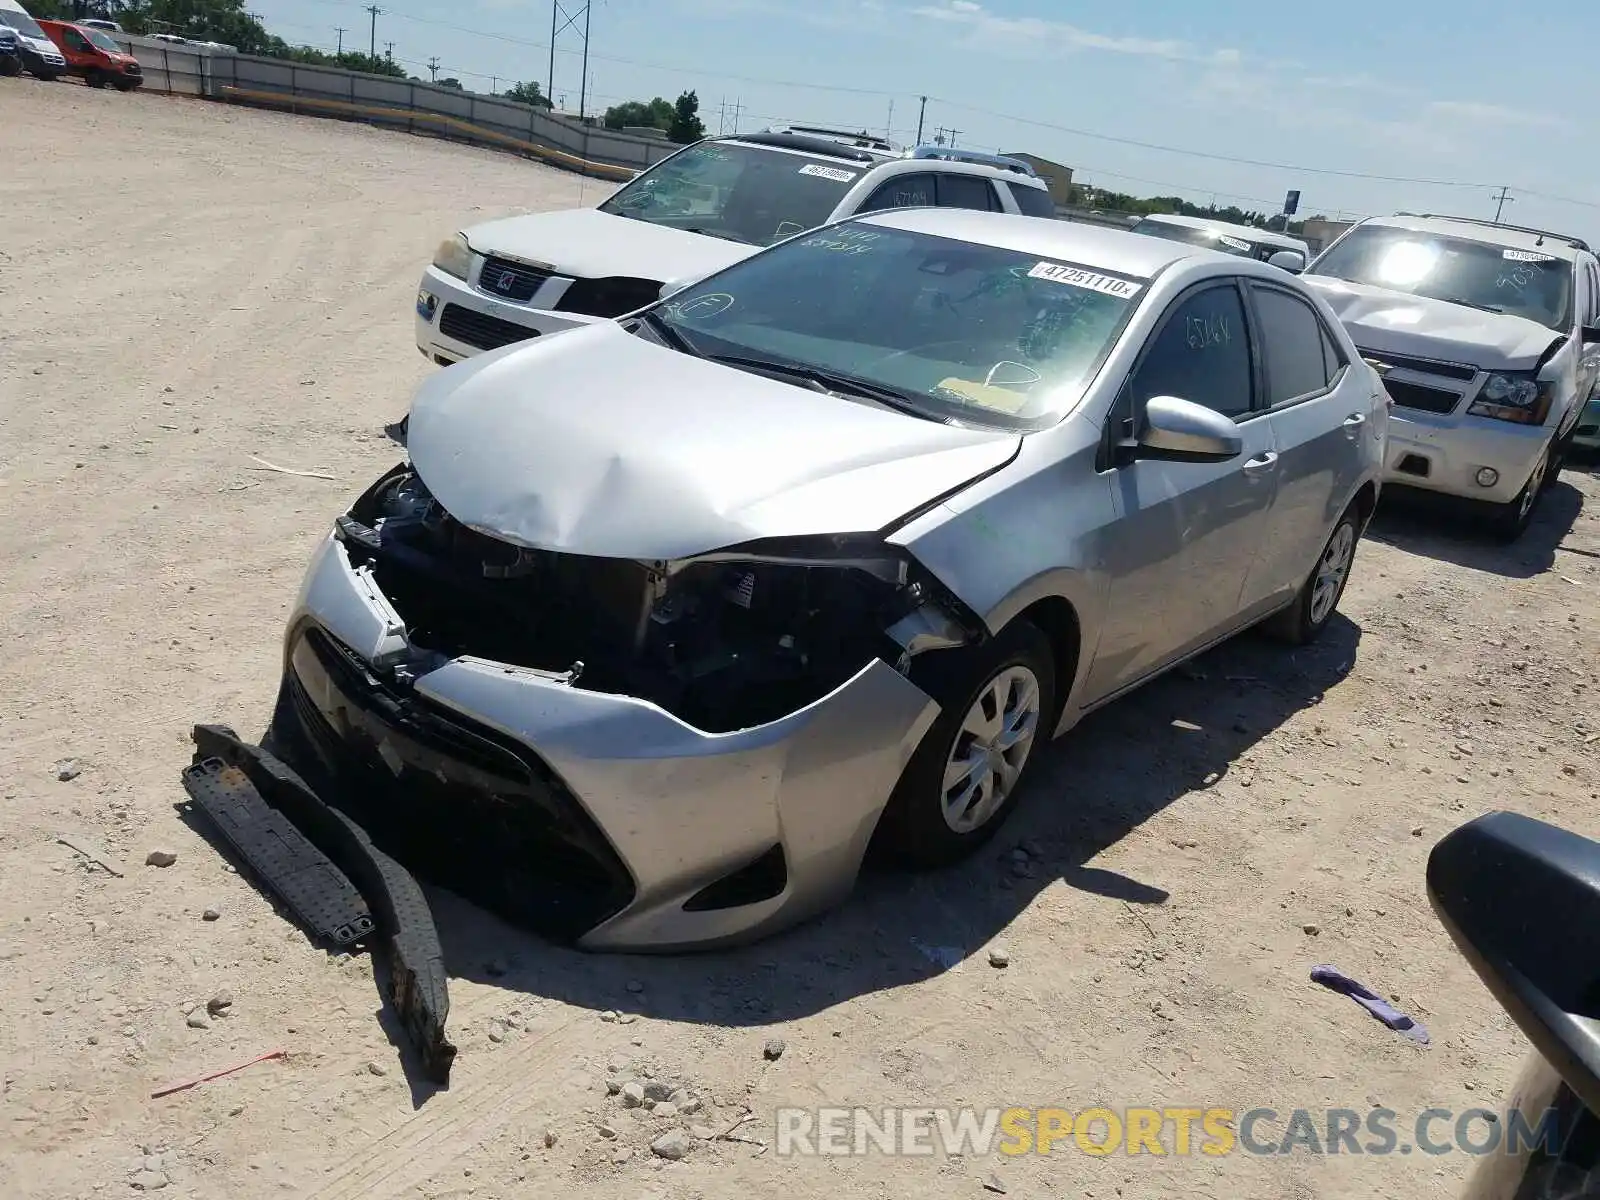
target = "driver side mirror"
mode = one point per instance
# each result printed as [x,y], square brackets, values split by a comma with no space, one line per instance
[1291,261]
[1182,431]
[1521,900]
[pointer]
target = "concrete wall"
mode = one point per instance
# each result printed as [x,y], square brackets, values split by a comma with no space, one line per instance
[394,103]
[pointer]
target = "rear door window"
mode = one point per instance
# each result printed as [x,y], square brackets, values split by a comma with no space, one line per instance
[1034,202]
[1294,344]
[967,191]
[903,191]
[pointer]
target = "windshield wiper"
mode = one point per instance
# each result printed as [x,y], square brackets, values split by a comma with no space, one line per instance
[669,334]
[820,380]
[1494,308]
[718,233]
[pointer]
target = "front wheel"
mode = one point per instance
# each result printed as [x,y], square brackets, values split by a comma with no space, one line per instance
[997,701]
[95,79]
[1510,521]
[1319,596]
[46,76]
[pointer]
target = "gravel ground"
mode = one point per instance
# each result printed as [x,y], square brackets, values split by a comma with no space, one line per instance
[188,288]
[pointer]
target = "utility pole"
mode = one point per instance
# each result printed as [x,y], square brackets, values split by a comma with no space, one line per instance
[372,41]
[738,107]
[583,88]
[340,30]
[888,128]
[388,51]
[922,111]
[433,69]
[1500,202]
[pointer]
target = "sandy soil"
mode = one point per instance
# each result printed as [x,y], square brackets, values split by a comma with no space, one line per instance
[186,286]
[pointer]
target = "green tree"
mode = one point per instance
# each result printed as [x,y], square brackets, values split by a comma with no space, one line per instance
[686,125]
[657,113]
[527,93]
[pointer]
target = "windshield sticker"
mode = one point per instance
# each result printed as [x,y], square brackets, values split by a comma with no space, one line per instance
[1094,282]
[1528,256]
[833,173]
[1236,243]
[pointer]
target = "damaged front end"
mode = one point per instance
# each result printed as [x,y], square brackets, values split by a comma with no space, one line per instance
[622,754]
[723,641]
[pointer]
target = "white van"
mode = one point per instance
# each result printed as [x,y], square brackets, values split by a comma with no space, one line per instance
[40,56]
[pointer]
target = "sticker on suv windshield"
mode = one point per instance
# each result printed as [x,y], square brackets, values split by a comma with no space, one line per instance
[1526,256]
[1077,277]
[1236,243]
[833,173]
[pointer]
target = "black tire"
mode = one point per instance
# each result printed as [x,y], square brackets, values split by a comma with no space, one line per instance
[10,67]
[124,86]
[1510,521]
[1305,619]
[46,76]
[95,79]
[914,828]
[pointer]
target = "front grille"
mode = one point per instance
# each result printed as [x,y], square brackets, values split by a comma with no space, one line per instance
[1418,396]
[510,280]
[608,297]
[460,804]
[480,329]
[1423,366]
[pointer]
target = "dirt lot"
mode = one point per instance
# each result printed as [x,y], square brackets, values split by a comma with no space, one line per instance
[187,288]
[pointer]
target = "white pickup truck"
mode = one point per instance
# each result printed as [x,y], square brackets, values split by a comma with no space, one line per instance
[696,211]
[1488,337]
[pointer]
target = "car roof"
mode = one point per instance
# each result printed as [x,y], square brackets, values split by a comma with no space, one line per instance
[1262,237]
[1553,244]
[1118,250]
[870,158]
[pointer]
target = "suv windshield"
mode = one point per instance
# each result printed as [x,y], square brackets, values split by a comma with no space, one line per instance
[743,193]
[1525,283]
[22,23]
[101,39]
[1211,238]
[945,329]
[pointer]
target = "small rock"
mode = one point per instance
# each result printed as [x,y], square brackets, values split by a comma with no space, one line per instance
[672,1145]
[160,858]
[999,956]
[692,1105]
[774,1049]
[704,1132]
[377,1068]
[218,1005]
[635,986]
[197,1020]
[236,1110]
[657,1090]
[666,1109]
[148,1181]
[993,1184]
[497,1033]
[68,768]
[613,1086]
[549,1138]
[1416,831]
[627,1018]
[680,1097]
[211,914]
[606,1132]
[608,1016]
[1311,929]
[632,1095]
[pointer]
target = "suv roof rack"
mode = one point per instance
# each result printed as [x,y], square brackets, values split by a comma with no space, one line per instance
[1575,242]
[1003,161]
[863,139]
[810,145]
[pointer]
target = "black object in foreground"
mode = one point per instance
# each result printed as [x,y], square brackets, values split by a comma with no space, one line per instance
[417,982]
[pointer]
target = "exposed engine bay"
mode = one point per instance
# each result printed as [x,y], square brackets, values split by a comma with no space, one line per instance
[723,641]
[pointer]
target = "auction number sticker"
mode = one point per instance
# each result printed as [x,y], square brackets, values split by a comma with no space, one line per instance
[833,173]
[1528,256]
[1091,280]
[1236,243]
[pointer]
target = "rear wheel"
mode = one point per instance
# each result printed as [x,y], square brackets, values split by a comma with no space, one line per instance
[46,76]
[996,701]
[1319,596]
[1510,521]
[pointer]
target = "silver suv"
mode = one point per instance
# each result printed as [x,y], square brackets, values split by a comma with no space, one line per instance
[698,210]
[1487,337]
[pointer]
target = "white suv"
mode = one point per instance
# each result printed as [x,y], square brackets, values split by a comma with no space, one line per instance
[1488,337]
[696,211]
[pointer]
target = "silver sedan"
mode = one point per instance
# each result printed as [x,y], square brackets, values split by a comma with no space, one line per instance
[668,618]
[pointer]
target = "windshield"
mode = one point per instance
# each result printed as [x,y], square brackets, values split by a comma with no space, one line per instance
[101,39]
[22,23]
[1211,238]
[743,193]
[1525,283]
[949,330]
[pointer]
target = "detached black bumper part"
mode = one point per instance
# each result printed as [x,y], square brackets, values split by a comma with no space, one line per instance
[327,870]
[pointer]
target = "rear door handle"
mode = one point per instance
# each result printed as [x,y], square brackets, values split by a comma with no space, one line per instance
[1354,422]
[1261,463]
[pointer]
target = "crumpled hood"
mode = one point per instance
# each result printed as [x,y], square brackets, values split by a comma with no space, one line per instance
[1399,323]
[599,442]
[589,244]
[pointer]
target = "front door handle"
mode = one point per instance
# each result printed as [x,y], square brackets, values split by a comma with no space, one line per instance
[1261,464]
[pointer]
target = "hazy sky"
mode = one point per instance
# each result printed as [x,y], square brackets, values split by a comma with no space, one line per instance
[1449,99]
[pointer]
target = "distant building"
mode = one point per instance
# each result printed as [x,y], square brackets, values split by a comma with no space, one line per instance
[1056,177]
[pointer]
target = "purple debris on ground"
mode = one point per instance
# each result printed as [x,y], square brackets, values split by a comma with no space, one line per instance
[1338,981]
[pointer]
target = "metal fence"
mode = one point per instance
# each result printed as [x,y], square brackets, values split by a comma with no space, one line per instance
[381,100]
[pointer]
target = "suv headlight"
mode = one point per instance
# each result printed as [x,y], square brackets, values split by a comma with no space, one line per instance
[1513,396]
[454,256]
